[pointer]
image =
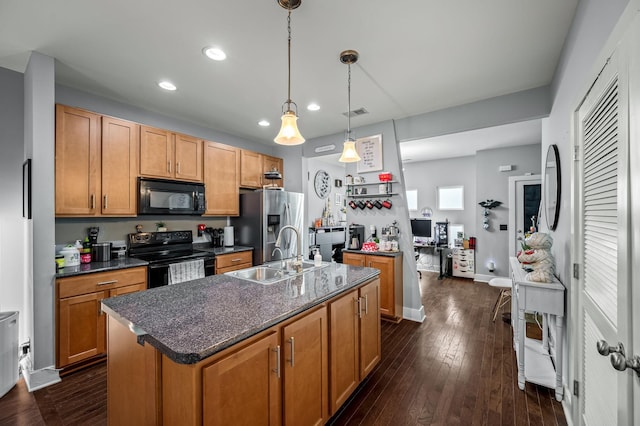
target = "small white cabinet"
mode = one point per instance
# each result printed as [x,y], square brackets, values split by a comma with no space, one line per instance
[539,362]
[464,264]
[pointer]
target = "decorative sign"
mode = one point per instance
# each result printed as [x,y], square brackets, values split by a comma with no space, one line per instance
[370,151]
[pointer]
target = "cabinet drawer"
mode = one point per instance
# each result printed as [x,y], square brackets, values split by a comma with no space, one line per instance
[90,283]
[233,259]
[233,268]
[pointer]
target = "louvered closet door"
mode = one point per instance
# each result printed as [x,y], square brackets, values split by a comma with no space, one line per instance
[603,229]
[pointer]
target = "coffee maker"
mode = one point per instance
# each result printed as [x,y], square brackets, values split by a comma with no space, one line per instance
[356,237]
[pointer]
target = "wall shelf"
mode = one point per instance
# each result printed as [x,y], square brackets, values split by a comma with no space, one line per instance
[372,195]
[351,187]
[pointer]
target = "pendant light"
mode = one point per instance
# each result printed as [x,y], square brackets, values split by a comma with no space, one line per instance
[289,133]
[349,153]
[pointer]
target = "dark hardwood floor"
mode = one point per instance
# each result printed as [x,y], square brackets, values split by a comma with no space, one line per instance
[458,367]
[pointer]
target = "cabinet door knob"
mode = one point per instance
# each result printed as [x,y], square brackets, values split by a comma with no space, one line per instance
[620,363]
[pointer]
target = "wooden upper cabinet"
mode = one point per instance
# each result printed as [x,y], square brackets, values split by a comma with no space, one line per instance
[77,162]
[188,158]
[168,155]
[250,169]
[156,152]
[120,150]
[221,177]
[270,163]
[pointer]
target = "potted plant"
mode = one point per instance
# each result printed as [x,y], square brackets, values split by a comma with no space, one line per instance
[161,226]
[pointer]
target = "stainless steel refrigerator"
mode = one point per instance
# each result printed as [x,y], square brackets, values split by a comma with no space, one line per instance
[262,214]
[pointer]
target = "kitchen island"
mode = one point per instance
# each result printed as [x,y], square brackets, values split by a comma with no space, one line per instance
[223,350]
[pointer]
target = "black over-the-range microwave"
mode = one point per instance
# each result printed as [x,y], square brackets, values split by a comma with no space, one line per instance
[159,196]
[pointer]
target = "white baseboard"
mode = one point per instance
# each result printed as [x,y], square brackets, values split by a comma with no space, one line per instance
[416,315]
[567,405]
[39,379]
[486,278]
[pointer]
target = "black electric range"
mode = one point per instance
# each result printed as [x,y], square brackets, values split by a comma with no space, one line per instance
[162,249]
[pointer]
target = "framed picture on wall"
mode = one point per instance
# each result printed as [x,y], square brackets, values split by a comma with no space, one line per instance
[370,151]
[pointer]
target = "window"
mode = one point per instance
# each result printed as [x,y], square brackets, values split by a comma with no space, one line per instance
[412,199]
[451,197]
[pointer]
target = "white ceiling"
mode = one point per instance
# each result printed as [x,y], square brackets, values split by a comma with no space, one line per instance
[468,143]
[416,56]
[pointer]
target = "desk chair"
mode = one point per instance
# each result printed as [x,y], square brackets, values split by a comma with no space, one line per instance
[417,254]
[504,284]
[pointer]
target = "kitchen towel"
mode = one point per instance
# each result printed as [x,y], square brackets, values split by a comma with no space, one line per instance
[186,271]
[228,236]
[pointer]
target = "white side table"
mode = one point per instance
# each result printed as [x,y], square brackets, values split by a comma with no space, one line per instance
[535,363]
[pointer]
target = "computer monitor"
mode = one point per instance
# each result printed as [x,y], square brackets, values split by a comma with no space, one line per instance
[421,228]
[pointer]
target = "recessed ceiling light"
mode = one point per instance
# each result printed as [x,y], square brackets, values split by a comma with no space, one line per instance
[264,123]
[313,107]
[214,53]
[167,85]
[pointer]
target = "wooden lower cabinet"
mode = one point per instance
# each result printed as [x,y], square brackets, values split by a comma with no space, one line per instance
[244,386]
[354,321]
[80,323]
[234,261]
[305,370]
[282,375]
[391,297]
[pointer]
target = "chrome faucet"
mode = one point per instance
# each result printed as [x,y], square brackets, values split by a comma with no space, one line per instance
[282,264]
[298,262]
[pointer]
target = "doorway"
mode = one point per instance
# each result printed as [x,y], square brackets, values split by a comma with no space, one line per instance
[605,246]
[524,207]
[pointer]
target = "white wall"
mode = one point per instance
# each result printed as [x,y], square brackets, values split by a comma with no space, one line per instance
[581,60]
[39,129]
[12,225]
[399,212]
[493,244]
[315,204]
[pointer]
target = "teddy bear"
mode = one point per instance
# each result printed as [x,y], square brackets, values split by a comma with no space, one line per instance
[536,253]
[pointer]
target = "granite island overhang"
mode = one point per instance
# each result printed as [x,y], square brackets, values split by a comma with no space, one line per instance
[191,321]
[222,350]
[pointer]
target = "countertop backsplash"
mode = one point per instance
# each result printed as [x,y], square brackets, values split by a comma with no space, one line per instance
[68,230]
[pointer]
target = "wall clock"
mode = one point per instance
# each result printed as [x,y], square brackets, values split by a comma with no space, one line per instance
[322,184]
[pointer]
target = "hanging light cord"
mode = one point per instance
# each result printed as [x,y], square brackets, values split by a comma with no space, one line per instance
[349,104]
[289,59]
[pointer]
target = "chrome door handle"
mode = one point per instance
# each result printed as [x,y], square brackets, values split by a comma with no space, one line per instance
[277,369]
[621,363]
[293,349]
[604,349]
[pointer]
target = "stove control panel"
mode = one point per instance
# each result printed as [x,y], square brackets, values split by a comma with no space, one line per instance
[160,238]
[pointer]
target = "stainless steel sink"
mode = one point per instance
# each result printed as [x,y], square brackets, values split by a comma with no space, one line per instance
[259,274]
[305,266]
[271,272]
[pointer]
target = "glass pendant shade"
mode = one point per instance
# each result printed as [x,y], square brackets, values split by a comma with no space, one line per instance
[289,133]
[349,153]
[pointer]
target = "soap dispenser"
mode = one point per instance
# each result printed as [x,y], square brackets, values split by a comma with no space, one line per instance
[317,258]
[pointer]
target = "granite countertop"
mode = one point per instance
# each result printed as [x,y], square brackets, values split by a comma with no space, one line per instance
[191,321]
[89,268]
[220,250]
[375,253]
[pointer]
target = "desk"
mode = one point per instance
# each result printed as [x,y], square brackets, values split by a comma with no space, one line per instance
[534,357]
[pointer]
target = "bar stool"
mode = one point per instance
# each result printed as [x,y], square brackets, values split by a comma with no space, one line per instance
[504,284]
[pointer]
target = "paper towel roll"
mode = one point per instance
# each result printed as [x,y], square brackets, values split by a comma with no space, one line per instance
[228,236]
